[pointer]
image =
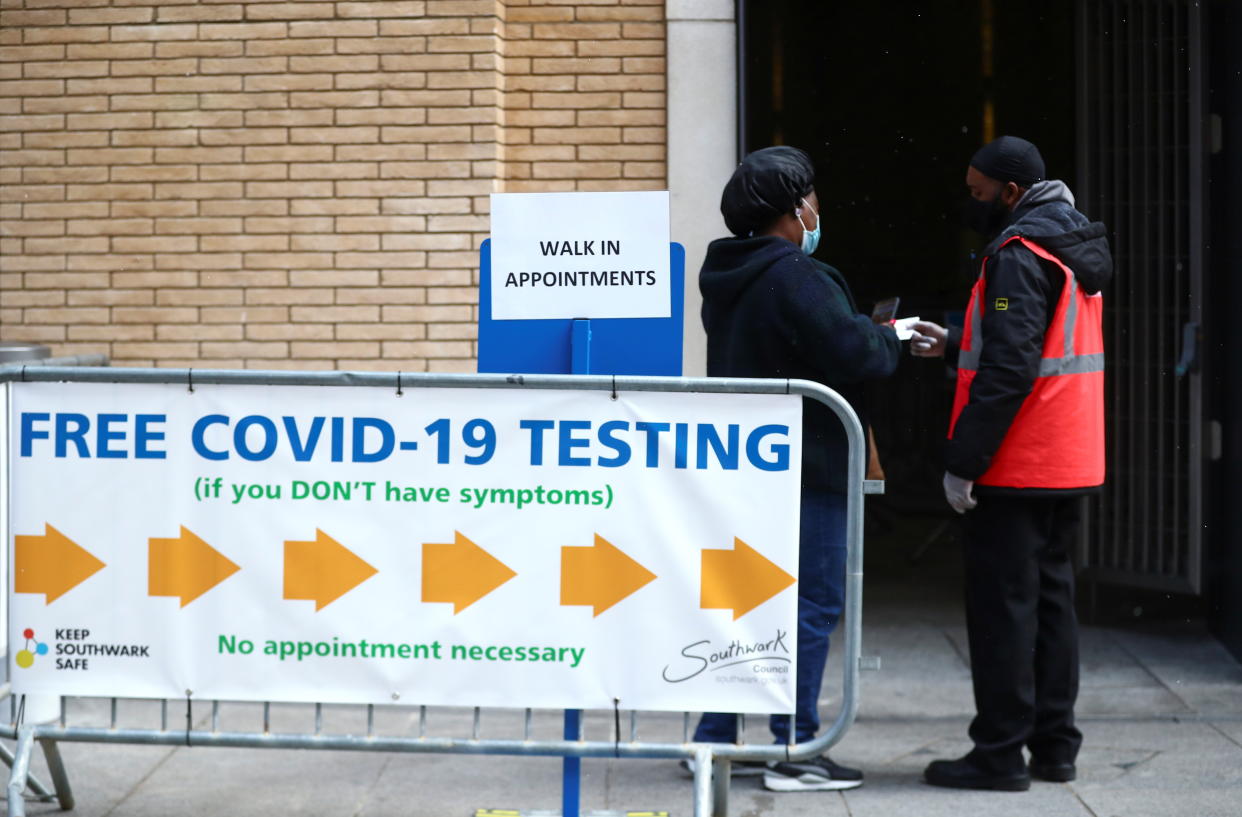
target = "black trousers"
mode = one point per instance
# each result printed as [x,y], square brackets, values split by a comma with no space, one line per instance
[1022,629]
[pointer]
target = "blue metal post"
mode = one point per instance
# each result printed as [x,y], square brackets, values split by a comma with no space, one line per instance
[571,769]
[571,775]
[621,346]
[580,347]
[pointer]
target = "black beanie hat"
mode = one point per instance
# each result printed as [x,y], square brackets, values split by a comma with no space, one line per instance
[767,184]
[1010,159]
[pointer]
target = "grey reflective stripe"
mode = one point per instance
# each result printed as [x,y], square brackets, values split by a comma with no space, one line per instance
[1071,315]
[1070,363]
[1074,364]
[969,358]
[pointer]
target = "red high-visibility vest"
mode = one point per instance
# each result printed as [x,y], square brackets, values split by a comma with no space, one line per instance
[1057,437]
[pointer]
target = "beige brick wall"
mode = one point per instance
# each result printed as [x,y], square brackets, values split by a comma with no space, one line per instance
[584,96]
[299,184]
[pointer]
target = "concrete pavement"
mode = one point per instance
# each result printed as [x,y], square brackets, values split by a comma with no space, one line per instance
[1161,709]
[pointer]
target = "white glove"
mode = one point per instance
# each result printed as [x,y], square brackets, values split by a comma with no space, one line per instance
[959,492]
[928,340]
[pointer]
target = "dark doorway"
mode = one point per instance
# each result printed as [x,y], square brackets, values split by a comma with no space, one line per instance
[891,100]
[1133,104]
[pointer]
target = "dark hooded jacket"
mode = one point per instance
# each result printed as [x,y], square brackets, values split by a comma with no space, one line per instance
[1014,338]
[772,311]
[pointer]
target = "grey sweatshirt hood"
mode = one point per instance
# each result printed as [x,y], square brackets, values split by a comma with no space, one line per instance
[1046,215]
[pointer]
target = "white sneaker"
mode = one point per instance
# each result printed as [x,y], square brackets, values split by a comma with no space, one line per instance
[816,774]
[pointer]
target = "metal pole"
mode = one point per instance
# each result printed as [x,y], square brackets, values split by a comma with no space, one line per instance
[60,777]
[703,789]
[580,347]
[571,768]
[32,782]
[21,769]
[722,772]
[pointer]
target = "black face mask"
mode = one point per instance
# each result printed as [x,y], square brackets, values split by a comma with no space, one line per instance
[987,218]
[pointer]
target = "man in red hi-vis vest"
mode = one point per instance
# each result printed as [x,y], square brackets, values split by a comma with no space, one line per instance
[1026,441]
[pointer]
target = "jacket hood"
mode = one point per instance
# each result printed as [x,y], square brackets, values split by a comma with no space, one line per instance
[732,264]
[1046,216]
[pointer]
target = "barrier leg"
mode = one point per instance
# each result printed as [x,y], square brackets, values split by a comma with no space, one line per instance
[722,772]
[703,771]
[60,778]
[32,782]
[21,770]
[571,767]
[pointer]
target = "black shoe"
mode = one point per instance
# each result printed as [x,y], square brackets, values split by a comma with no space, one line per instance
[815,774]
[738,768]
[963,774]
[1053,772]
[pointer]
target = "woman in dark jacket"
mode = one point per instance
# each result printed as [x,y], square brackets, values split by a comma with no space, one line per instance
[771,310]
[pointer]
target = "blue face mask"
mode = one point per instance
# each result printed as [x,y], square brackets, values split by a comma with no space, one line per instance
[810,238]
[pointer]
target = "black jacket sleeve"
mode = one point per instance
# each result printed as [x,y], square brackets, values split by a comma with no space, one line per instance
[1018,302]
[952,345]
[831,336]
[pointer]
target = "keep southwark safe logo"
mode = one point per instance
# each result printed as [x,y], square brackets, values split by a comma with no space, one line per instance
[73,651]
[757,662]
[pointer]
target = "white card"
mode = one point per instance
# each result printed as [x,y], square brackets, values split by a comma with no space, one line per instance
[905,327]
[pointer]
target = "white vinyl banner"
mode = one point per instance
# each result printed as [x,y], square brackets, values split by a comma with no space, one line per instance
[523,548]
[580,255]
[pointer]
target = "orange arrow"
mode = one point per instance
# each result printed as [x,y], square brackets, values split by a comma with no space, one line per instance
[323,570]
[739,580]
[186,567]
[599,576]
[52,563]
[460,573]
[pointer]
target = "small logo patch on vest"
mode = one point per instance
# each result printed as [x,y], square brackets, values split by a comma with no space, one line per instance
[1002,304]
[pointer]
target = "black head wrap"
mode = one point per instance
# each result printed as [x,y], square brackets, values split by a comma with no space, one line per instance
[1010,159]
[767,184]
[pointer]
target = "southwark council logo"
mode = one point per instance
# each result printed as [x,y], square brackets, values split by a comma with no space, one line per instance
[757,662]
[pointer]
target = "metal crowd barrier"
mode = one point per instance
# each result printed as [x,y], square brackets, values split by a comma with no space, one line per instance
[12,369]
[711,760]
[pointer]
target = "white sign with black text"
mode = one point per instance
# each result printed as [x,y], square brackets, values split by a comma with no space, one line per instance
[580,255]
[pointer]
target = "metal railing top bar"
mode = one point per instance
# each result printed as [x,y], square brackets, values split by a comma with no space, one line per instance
[36,373]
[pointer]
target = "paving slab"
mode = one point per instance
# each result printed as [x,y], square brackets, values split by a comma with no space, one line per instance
[101,776]
[1120,701]
[1105,663]
[1184,655]
[1164,803]
[1231,728]
[898,793]
[1170,755]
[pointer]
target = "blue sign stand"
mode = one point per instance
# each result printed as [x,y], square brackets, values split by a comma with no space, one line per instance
[633,346]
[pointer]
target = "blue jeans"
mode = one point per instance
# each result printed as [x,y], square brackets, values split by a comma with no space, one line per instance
[821,597]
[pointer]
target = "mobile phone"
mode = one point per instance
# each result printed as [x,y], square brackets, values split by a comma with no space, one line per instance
[886,310]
